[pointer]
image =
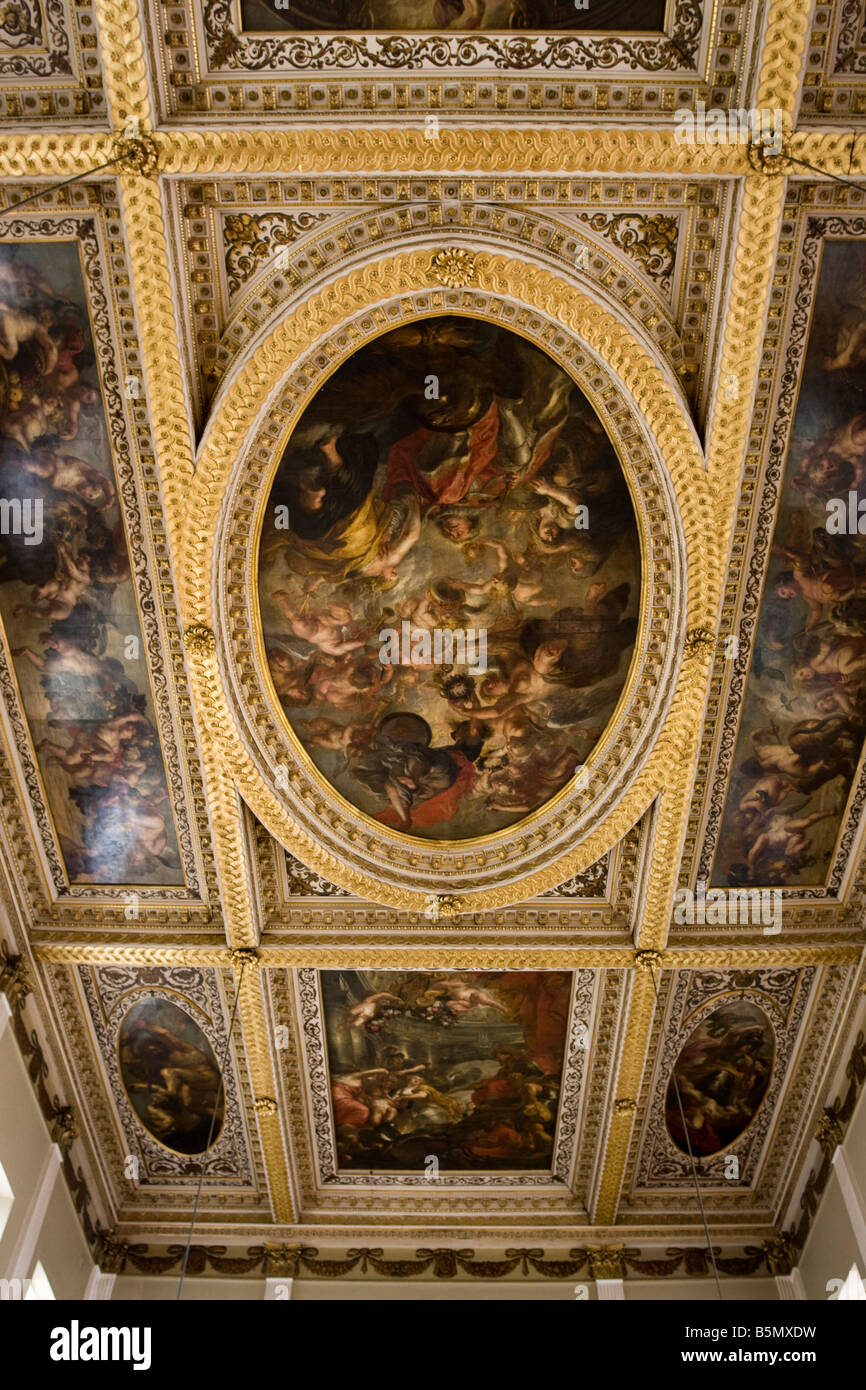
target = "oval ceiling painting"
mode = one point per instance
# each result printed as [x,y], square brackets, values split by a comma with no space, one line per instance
[722,1072]
[449,579]
[170,1075]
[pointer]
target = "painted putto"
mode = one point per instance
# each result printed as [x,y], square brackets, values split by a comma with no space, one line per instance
[463,1068]
[722,1073]
[67,598]
[454,15]
[449,578]
[171,1075]
[804,711]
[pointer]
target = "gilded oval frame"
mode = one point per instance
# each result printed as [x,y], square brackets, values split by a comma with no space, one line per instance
[232,482]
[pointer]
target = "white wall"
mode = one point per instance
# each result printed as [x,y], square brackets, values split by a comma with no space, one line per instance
[832,1246]
[131,1287]
[25,1149]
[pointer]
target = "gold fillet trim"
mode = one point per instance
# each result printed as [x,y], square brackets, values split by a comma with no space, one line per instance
[236,410]
[435,957]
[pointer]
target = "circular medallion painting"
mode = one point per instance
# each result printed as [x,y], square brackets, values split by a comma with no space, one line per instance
[449,579]
[722,1072]
[170,1075]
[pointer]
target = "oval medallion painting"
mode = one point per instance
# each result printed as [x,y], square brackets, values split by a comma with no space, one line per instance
[170,1075]
[449,579]
[722,1072]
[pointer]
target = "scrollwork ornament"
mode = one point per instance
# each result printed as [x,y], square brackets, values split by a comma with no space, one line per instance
[650,239]
[265,1106]
[624,1107]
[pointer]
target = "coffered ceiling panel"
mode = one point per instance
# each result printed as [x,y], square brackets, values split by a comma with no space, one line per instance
[223,58]
[102,735]
[50,65]
[656,246]
[834,81]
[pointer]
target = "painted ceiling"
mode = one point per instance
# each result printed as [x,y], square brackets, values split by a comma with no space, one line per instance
[308,328]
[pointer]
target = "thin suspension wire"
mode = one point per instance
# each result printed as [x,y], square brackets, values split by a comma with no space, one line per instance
[837,178]
[220,1090]
[691,1157]
[52,188]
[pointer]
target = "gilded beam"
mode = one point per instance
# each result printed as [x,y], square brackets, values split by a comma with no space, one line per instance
[128,91]
[549,150]
[636,1033]
[258,1054]
[438,957]
[760,213]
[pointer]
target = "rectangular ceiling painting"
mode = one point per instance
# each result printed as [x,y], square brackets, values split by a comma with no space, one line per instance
[804,710]
[67,599]
[455,16]
[464,1068]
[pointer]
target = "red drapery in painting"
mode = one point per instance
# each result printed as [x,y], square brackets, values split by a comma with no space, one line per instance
[540,1000]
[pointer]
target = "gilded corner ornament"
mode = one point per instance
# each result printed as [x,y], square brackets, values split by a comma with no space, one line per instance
[265,1105]
[64,1130]
[112,1252]
[624,1107]
[780,1253]
[764,160]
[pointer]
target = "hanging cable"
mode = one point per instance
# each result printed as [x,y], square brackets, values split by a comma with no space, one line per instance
[837,178]
[53,187]
[691,1155]
[219,1094]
